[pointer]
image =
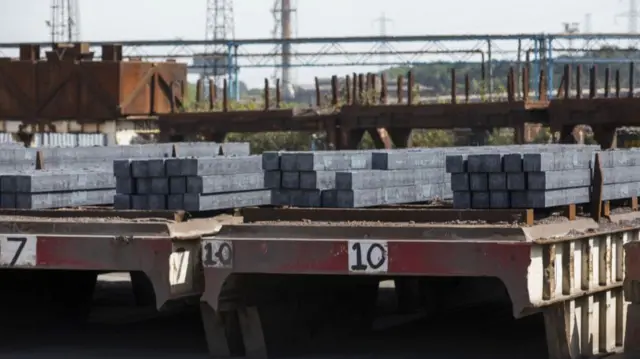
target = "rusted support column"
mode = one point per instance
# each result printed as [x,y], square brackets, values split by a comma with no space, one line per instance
[347,90]
[212,95]
[355,96]
[399,88]
[334,90]
[410,83]
[542,86]
[199,92]
[467,86]
[453,86]
[266,95]
[511,88]
[361,94]
[525,83]
[318,99]
[225,96]
[566,135]
[607,75]
[350,139]
[579,81]
[374,90]
[383,88]
[632,68]
[593,85]
[566,81]
[617,83]
[278,94]
[367,88]
[519,134]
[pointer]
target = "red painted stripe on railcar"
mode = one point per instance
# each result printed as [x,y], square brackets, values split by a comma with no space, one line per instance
[98,253]
[418,258]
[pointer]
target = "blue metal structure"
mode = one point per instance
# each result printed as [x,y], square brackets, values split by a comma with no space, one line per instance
[542,49]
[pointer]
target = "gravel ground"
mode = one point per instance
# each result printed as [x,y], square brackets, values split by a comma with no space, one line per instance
[483,334]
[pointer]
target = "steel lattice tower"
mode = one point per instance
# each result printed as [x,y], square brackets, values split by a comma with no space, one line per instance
[632,14]
[220,26]
[64,25]
[283,28]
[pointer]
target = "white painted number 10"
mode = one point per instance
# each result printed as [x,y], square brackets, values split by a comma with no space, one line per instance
[368,256]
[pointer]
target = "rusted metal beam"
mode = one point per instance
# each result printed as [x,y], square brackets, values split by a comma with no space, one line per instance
[278,94]
[607,85]
[421,215]
[453,86]
[334,90]
[400,88]
[383,88]
[266,95]
[410,84]
[347,91]
[318,98]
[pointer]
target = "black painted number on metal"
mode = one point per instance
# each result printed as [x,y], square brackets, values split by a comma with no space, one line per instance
[370,261]
[22,242]
[222,256]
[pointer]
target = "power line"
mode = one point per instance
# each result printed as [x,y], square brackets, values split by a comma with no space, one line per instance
[632,14]
[64,22]
[220,26]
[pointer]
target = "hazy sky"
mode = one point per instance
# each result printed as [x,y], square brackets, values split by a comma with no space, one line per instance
[24,20]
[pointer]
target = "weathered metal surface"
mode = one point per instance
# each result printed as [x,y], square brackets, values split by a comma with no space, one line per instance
[409,214]
[61,88]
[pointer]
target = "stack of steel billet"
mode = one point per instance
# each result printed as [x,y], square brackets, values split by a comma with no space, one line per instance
[99,158]
[359,178]
[554,175]
[38,189]
[307,176]
[193,184]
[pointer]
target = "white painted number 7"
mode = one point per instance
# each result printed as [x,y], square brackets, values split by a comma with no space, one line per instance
[18,251]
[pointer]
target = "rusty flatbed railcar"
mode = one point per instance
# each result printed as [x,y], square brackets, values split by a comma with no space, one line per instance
[270,277]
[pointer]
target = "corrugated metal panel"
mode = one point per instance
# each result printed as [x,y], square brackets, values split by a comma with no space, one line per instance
[69,139]
[6,138]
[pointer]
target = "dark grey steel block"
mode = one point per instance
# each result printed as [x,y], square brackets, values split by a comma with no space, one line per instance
[460,181]
[175,201]
[160,185]
[226,183]
[272,179]
[178,185]
[122,168]
[329,198]
[319,180]
[143,186]
[235,149]
[478,182]
[305,198]
[271,161]
[484,163]
[550,198]
[556,161]
[217,166]
[201,202]
[516,181]
[480,200]
[157,201]
[359,198]
[140,168]
[64,199]
[461,199]
[8,200]
[156,167]
[512,162]
[499,199]
[558,179]
[497,181]
[281,197]
[173,167]
[389,195]
[122,201]
[288,161]
[291,180]
[139,201]
[125,185]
